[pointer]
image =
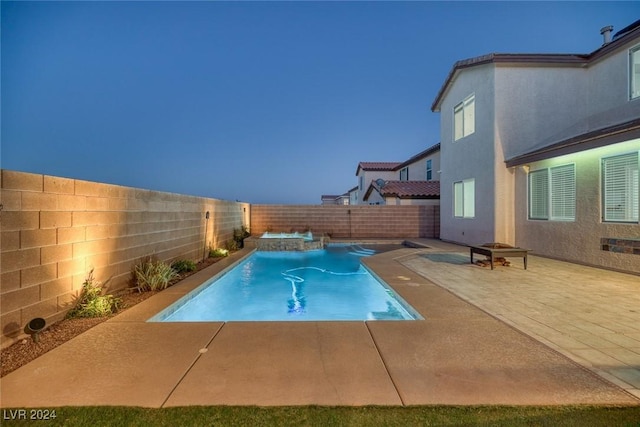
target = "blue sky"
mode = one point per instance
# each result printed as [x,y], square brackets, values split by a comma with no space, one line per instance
[265,102]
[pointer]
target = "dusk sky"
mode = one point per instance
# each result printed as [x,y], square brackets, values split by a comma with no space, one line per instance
[264,102]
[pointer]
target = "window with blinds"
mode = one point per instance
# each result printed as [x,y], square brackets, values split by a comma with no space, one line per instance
[563,193]
[539,194]
[552,193]
[620,188]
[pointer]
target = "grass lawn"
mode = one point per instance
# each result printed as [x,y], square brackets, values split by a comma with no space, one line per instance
[332,416]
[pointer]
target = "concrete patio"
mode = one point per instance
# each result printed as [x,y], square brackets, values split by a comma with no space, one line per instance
[590,315]
[556,333]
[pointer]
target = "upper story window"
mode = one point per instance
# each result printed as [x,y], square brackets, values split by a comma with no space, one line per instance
[634,72]
[429,170]
[361,182]
[620,188]
[404,174]
[552,193]
[464,118]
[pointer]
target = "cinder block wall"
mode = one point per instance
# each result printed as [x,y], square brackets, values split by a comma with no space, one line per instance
[367,221]
[55,230]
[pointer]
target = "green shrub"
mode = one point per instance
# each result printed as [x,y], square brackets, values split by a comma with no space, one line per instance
[239,234]
[231,245]
[153,275]
[92,303]
[183,265]
[217,253]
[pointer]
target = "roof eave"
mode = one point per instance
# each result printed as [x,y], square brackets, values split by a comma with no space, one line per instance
[593,139]
[421,155]
[505,58]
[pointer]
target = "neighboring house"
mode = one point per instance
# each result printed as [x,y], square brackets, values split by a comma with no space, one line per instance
[328,199]
[383,192]
[370,171]
[424,166]
[542,151]
[353,195]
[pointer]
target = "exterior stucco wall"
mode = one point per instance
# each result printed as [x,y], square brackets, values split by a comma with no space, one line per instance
[577,241]
[353,197]
[418,169]
[609,91]
[535,103]
[369,176]
[420,202]
[531,105]
[470,157]
[376,199]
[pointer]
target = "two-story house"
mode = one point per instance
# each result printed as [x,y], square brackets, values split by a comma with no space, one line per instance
[542,151]
[372,176]
[368,172]
[416,182]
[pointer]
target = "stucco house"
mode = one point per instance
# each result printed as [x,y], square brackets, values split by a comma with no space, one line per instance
[353,195]
[423,166]
[332,199]
[395,192]
[542,150]
[368,172]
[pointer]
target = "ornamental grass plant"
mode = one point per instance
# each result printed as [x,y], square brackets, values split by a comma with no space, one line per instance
[92,302]
[151,274]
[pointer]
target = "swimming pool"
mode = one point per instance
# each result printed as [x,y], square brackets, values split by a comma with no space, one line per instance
[328,284]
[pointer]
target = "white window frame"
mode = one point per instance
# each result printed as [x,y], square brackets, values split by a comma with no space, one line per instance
[464,198]
[429,174]
[464,118]
[404,174]
[552,193]
[634,77]
[623,193]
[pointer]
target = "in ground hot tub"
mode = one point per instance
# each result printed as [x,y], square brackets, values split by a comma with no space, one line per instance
[289,242]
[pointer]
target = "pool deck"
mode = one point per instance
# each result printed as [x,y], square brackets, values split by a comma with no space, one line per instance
[556,333]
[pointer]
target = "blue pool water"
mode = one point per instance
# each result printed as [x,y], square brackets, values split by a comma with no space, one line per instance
[329,284]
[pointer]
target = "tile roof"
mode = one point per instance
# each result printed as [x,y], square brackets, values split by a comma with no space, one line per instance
[377,166]
[407,189]
[394,166]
